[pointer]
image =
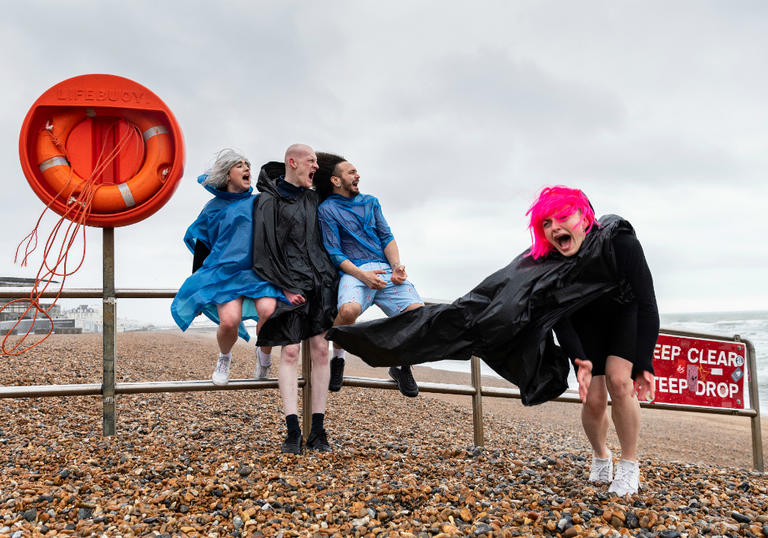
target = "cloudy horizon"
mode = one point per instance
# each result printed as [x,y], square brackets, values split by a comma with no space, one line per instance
[455,116]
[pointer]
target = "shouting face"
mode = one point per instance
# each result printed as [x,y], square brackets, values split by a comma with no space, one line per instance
[239,177]
[346,180]
[304,166]
[567,234]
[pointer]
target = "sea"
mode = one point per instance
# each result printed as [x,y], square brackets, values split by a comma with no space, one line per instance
[749,325]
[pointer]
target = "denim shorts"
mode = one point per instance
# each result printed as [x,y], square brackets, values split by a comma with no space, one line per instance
[392,299]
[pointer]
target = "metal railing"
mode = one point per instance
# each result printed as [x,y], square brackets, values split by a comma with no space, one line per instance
[108,388]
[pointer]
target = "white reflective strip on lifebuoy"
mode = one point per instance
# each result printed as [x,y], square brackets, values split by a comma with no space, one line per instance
[125,190]
[152,131]
[53,161]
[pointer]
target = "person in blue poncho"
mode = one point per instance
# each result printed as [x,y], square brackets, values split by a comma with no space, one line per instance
[223,285]
[362,247]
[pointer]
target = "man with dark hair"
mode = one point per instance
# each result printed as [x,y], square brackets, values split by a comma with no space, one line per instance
[288,252]
[362,247]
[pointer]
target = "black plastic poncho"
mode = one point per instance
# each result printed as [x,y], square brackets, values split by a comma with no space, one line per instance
[288,252]
[507,320]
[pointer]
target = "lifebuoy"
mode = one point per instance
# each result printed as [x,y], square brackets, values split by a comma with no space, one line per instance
[58,148]
[58,173]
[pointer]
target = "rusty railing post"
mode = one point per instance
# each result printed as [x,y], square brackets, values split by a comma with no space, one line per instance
[306,391]
[108,333]
[754,399]
[477,403]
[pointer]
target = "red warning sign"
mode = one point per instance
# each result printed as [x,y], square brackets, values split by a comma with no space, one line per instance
[697,371]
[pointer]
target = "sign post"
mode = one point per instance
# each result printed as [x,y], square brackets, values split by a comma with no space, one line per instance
[714,372]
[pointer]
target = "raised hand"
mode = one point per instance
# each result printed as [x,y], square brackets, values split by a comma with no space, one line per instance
[398,274]
[584,377]
[645,385]
[294,298]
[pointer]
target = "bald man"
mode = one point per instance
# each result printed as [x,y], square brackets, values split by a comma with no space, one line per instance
[288,252]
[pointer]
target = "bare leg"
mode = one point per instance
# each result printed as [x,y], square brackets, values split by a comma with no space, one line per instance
[321,371]
[594,416]
[230,316]
[348,314]
[413,306]
[625,410]
[287,378]
[265,307]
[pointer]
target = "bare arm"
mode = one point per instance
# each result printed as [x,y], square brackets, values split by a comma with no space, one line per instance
[392,254]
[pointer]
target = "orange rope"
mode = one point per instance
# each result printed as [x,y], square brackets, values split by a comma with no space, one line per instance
[77,213]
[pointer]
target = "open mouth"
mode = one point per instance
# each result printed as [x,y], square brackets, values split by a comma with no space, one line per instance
[563,241]
[311,175]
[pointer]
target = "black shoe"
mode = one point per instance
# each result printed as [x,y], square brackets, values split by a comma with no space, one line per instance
[292,443]
[337,374]
[405,381]
[318,441]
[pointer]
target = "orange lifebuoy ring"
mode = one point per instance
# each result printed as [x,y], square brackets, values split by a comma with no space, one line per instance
[51,139]
[58,173]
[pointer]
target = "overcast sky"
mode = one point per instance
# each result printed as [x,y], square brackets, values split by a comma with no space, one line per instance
[455,113]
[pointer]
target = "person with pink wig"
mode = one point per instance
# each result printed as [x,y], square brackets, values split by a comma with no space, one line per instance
[611,339]
[583,279]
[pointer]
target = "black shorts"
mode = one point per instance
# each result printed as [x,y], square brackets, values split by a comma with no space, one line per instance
[606,327]
[290,324]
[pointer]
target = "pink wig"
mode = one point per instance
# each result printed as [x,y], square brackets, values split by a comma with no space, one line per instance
[558,202]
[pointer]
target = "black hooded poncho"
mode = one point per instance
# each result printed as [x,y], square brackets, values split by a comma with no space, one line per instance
[507,320]
[288,252]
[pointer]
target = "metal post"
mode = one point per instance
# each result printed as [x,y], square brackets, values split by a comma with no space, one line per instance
[754,398]
[108,334]
[477,402]
[306,391]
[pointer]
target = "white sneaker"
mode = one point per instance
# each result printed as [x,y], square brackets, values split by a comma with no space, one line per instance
[263,364]
[262,371]
[627,479]
[221,373]
[602,469]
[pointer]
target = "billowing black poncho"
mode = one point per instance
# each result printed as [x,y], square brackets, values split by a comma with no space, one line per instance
[288,252]
[507,320]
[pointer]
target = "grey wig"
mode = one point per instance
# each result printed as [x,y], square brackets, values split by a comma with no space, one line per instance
[218,174]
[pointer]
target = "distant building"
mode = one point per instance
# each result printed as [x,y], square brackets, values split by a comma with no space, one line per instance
[21,309]
[17,315]
[87,317]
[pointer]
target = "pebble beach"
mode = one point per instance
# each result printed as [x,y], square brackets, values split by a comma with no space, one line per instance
[208,463]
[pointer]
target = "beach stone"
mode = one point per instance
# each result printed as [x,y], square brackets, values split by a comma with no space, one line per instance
[17,534]
[30,515]
[182,472]
[741,518]
[570,532]
[482,528]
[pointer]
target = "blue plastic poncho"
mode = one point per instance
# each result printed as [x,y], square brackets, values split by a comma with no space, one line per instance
[224,226]
[354,229]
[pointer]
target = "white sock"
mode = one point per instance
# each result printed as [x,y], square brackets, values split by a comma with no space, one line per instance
[338,353]
[225,355]
[264,358]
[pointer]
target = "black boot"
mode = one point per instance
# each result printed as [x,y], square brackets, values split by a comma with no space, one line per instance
[405,381]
